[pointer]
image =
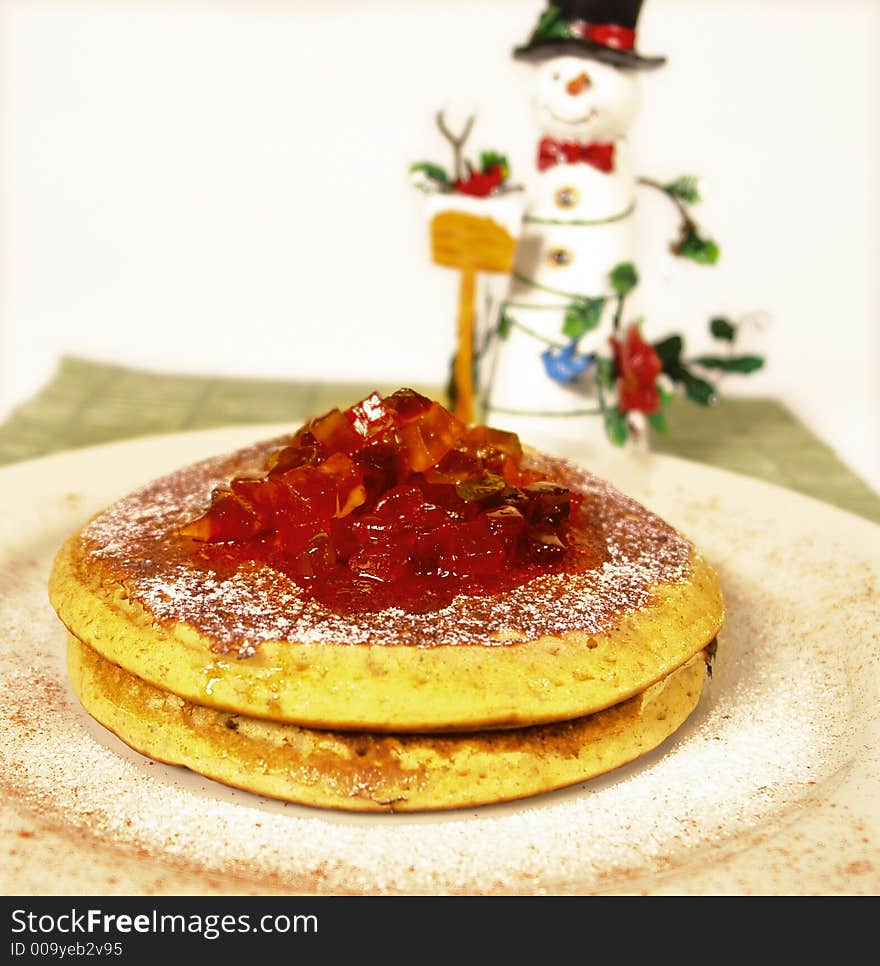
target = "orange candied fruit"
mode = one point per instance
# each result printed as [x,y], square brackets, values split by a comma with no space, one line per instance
[394,493]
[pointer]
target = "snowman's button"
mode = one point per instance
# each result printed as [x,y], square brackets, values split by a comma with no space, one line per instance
[567,196]
[560,257]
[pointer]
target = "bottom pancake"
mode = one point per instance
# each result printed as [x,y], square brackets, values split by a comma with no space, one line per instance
[359,771]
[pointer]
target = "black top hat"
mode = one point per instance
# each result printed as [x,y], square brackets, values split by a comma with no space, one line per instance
[602,29]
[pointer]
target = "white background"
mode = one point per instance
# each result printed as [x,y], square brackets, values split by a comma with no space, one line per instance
[221,186]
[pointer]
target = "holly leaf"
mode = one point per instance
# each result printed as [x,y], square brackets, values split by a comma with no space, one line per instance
[699,390]
[605,372]
[492,159]
[616,428]
[669,350]
[742,364]
[431,171]
[696,389]
[582,316]
[505,324]
[722,328]
[658,422]
[685,189]
[692,245]
[624,278]
[551,24]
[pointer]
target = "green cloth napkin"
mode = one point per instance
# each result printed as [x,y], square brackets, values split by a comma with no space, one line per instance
[88,402]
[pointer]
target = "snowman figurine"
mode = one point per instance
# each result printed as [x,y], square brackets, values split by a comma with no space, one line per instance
[578,224]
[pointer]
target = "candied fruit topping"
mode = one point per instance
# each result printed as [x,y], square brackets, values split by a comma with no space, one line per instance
[395,502]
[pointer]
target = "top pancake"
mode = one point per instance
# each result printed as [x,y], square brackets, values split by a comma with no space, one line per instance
[252,642]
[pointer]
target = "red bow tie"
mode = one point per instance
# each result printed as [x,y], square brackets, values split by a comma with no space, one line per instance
[600,154]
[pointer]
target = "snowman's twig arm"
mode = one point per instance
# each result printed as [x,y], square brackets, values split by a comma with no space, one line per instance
[690,243]
[688,223]
[457,142]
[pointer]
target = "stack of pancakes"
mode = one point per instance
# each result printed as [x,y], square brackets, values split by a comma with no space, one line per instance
[241,676]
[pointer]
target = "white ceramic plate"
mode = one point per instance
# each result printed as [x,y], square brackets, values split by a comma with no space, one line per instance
[771,787]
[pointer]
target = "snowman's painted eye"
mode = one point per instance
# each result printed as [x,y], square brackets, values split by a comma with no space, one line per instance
[556,76]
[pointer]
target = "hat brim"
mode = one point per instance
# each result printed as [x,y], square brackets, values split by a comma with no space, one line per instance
[539,49]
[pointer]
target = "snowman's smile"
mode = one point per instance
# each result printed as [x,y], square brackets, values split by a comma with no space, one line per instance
[593,112]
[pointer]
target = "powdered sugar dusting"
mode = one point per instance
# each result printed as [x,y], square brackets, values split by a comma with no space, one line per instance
[136,540]
[787,713]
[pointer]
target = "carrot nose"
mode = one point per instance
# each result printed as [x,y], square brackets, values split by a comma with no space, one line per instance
[578,84]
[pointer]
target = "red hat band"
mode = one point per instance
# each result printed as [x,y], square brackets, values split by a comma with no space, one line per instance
[606,34]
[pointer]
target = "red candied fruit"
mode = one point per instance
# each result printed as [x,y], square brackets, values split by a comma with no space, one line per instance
[394,501]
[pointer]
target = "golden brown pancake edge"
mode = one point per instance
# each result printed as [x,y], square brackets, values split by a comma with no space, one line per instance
[357,771]
[396,688]
[125,585]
